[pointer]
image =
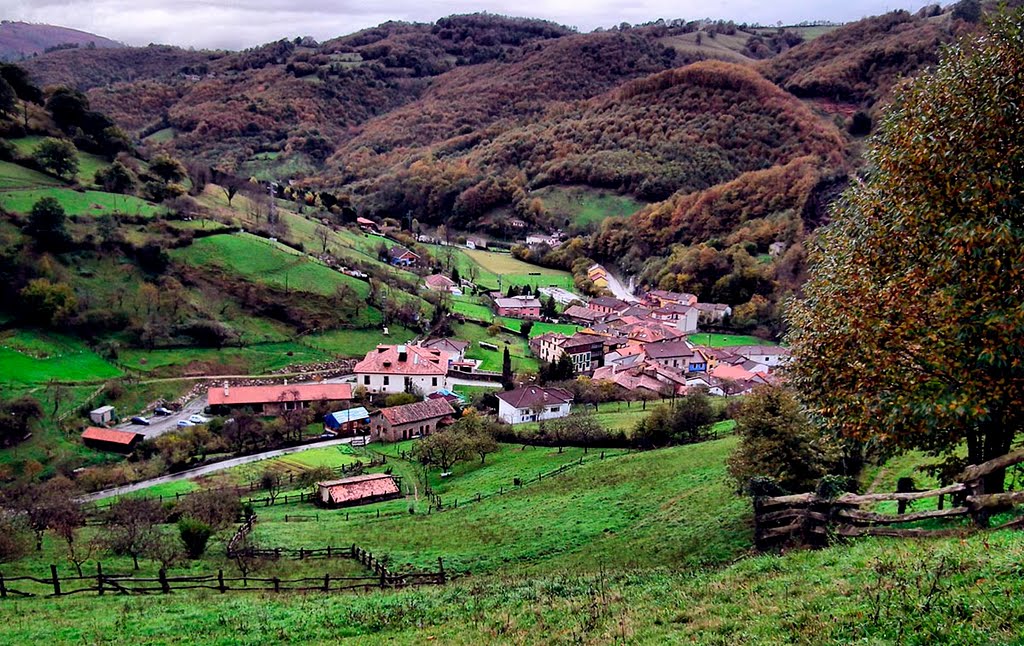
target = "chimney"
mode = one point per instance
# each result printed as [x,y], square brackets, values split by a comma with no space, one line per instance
[225,388]
[403,353]
[285,382]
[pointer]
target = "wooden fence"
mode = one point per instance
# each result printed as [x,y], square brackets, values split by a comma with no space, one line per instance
[102,583]
[815,520]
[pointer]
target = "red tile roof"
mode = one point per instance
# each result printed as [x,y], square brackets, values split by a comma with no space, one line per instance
[110,435]
[387,360]
[241,395]
[417,412]
[358,487]
[533,395]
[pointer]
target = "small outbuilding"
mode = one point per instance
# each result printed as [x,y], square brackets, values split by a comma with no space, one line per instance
[108,439]
[358,490]
[102,415]
[354,421]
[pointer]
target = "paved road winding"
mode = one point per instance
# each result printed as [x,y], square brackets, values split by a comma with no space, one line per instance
[210,468]
[619,290]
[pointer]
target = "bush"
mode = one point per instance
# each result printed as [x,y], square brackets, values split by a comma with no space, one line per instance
[194,534]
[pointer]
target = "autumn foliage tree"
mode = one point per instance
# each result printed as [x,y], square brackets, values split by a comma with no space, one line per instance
[910,331]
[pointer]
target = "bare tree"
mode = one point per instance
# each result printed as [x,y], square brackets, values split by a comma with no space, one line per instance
[218,508]
[272,483]
[132,523]
[323,234]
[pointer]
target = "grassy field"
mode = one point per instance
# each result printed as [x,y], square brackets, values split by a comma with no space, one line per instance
[519,349]
[356,343]
[88,163]
[13,176]
[584,206]
[78,202]
[488,266]
[31,357]
[726,340]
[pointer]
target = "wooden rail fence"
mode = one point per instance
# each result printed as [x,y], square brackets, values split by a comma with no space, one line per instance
[815,520]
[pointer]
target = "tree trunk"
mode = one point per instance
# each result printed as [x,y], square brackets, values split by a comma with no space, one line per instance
[135,560]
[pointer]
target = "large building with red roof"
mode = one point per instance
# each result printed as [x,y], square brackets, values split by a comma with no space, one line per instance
[418,419]
[403,368]
[108,439]
[273,400]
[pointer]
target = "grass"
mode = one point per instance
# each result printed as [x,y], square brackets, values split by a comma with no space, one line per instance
[519,349]
[13,176]
[487,266]
[726,340]
[88,163]
[161,136]
[268,262]
[35,357]
[75,202]
[356,343]
[584,206]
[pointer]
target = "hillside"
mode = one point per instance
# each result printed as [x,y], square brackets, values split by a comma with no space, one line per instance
[20,40]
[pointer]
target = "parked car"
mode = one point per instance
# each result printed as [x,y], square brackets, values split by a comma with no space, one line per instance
[182,423]
[197,419]
[162,411]
[139,419]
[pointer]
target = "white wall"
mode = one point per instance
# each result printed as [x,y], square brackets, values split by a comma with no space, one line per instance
[396,383]
[512,415]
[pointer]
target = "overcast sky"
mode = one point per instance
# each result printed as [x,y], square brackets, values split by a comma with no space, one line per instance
[236,24]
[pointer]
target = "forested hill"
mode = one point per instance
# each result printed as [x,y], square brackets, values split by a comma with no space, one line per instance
[20,40]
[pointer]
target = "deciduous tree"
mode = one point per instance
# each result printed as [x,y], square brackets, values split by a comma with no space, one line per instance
[58,156]
[910,331]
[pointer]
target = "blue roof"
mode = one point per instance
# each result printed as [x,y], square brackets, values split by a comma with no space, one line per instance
[345,416]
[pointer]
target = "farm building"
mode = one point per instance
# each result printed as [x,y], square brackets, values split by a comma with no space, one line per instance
[354,421]
[273,400]
[454,348]
[533,403]
[367,225]
[102,415]
[522,307]
[358,490]
[108,439]
[402,368]
[411,420]
[439,283]
[399,255]
[598,275]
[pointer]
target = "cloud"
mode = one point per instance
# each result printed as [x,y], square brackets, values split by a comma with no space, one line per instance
[236,24]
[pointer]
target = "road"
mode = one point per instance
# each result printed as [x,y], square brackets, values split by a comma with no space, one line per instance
[619,290]
[160,425]
[210,468]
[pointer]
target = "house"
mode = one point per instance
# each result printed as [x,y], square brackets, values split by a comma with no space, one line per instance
[402,368]
[410,420]
[522,307]
[632,379]
[713,312]
[454,348]
[354,421]
[608,305]
[581,314]
[677,354]
[683,316]
[103,415]
[358,490]
[769,355]
[533,404]
[661,298]
[516,223]
[598,275]
[439,283]
[626,355]
[553,240]
[476,243]
[449,396]
[776,249]
[273,400]
[367,225]
[399,255]
[108,439]
[586,351]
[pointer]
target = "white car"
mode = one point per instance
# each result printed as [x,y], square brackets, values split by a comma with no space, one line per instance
[197,419]
[182,423]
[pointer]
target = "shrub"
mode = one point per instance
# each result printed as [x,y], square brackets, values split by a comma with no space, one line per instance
[194,534]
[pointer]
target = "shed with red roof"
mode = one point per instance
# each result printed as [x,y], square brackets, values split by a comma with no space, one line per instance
[108,439]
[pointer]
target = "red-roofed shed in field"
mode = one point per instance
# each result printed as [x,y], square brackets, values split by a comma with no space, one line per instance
[272,400]
[108,439]
[358,490]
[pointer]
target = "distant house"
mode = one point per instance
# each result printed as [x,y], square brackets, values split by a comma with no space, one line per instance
[586,351]
[410,420]
[108,439]
[367,225]
[520,307]
[399,255]
[607,305]
[661,298]
[516,223]
[358,490]
[553,241]
[439,283]
[533,403]
[454,348]
[677,354]
[581,314]
[776,249]
[769,355]
[103,415]
[476,243]
[684,317]
[402,368]
[598,275]
[354,421]
[713,312]
[273,400]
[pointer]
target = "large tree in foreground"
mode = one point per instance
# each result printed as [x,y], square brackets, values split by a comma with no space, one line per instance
[911,329]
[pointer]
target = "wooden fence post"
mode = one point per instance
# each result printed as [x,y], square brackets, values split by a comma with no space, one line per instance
[277,584]
[165,587]
[99,578]
[220,581]
[327,582]
[301,553]
[328,551]
[440,565]
[56,581]
[3,587]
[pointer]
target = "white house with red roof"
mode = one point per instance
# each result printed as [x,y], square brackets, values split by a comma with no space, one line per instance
[403,368]
[533,404]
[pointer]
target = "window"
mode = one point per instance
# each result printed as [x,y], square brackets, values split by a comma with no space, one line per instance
[553,409]
[435,381]
[366,380]
[386,380]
